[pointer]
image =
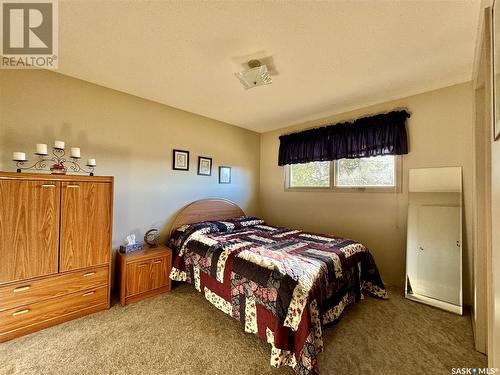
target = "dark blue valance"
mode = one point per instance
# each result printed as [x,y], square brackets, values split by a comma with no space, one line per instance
[383,134]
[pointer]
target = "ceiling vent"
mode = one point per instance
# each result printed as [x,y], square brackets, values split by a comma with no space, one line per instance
[256,75]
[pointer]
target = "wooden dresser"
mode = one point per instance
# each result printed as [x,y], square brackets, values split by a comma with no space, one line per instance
[55,249]
[143,273]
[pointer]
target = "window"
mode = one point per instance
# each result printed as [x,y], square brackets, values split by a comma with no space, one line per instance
[378,173]
[315,174]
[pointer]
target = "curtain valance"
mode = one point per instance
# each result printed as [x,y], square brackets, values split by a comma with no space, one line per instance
[383,134]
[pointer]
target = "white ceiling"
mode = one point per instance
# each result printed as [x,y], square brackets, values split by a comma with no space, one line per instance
[330,56]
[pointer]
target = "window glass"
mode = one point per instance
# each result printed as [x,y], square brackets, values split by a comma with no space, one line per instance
[315,174]
[377,171]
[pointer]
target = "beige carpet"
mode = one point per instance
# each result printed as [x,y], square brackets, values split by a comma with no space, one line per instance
[181,333]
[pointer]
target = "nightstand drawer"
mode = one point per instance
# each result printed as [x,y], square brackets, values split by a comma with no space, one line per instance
[41,312]
[30,291]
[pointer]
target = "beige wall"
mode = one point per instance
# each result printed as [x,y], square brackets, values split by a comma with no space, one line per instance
[440,134]
[494,330]
[487,200]
[132,139]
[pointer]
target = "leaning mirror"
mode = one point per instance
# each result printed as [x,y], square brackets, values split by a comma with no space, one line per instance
[434,239]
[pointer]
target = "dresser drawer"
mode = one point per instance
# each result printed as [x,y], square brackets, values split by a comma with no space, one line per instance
[27,292]
[41,312]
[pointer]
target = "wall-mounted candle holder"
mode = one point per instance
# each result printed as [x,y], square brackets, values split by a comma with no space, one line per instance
[56,163]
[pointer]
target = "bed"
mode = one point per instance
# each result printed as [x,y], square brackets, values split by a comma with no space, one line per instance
[284,285]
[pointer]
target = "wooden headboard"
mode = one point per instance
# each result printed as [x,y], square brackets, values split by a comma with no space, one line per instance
[206,209]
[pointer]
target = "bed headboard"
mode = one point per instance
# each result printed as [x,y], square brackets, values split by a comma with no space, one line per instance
[206,209]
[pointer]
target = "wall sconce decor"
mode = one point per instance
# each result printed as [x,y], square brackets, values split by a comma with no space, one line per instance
[56,163]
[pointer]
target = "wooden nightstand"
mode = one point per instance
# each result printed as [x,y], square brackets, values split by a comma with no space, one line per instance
[143,273]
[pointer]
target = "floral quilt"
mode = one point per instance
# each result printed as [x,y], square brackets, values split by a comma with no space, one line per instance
[283,285]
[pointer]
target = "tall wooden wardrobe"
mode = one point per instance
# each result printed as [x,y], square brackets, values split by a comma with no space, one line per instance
[55,249]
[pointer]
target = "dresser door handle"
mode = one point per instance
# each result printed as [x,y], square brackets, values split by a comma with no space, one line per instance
[143,264]
[73,186]
[88,293]
[88,274]
[48,185]
[21,312]
[157,261]
[22,289]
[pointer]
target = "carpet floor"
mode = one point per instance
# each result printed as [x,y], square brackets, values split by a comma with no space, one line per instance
[182,333]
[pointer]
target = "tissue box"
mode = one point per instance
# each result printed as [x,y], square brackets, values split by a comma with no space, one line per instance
[131,248]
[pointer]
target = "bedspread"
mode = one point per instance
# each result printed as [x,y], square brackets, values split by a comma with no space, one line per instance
[284,285]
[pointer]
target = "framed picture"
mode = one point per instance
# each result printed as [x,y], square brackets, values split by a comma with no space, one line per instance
[204,166]
[496,69]
[181,160]
[224,175]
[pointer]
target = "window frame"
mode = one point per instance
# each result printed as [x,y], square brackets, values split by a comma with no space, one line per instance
[397,188]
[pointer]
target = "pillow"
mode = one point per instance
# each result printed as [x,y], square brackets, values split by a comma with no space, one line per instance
[237,223]
[182,233]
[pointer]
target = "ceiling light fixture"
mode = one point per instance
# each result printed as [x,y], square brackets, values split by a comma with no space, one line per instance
[257,75]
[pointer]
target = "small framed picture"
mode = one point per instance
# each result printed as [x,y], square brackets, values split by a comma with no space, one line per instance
[181,160]
[204,166]
[224,175]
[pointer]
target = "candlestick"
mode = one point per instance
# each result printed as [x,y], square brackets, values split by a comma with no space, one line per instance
[19,156]
[59,145]
[56,162]
[75,152]
[41,149]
